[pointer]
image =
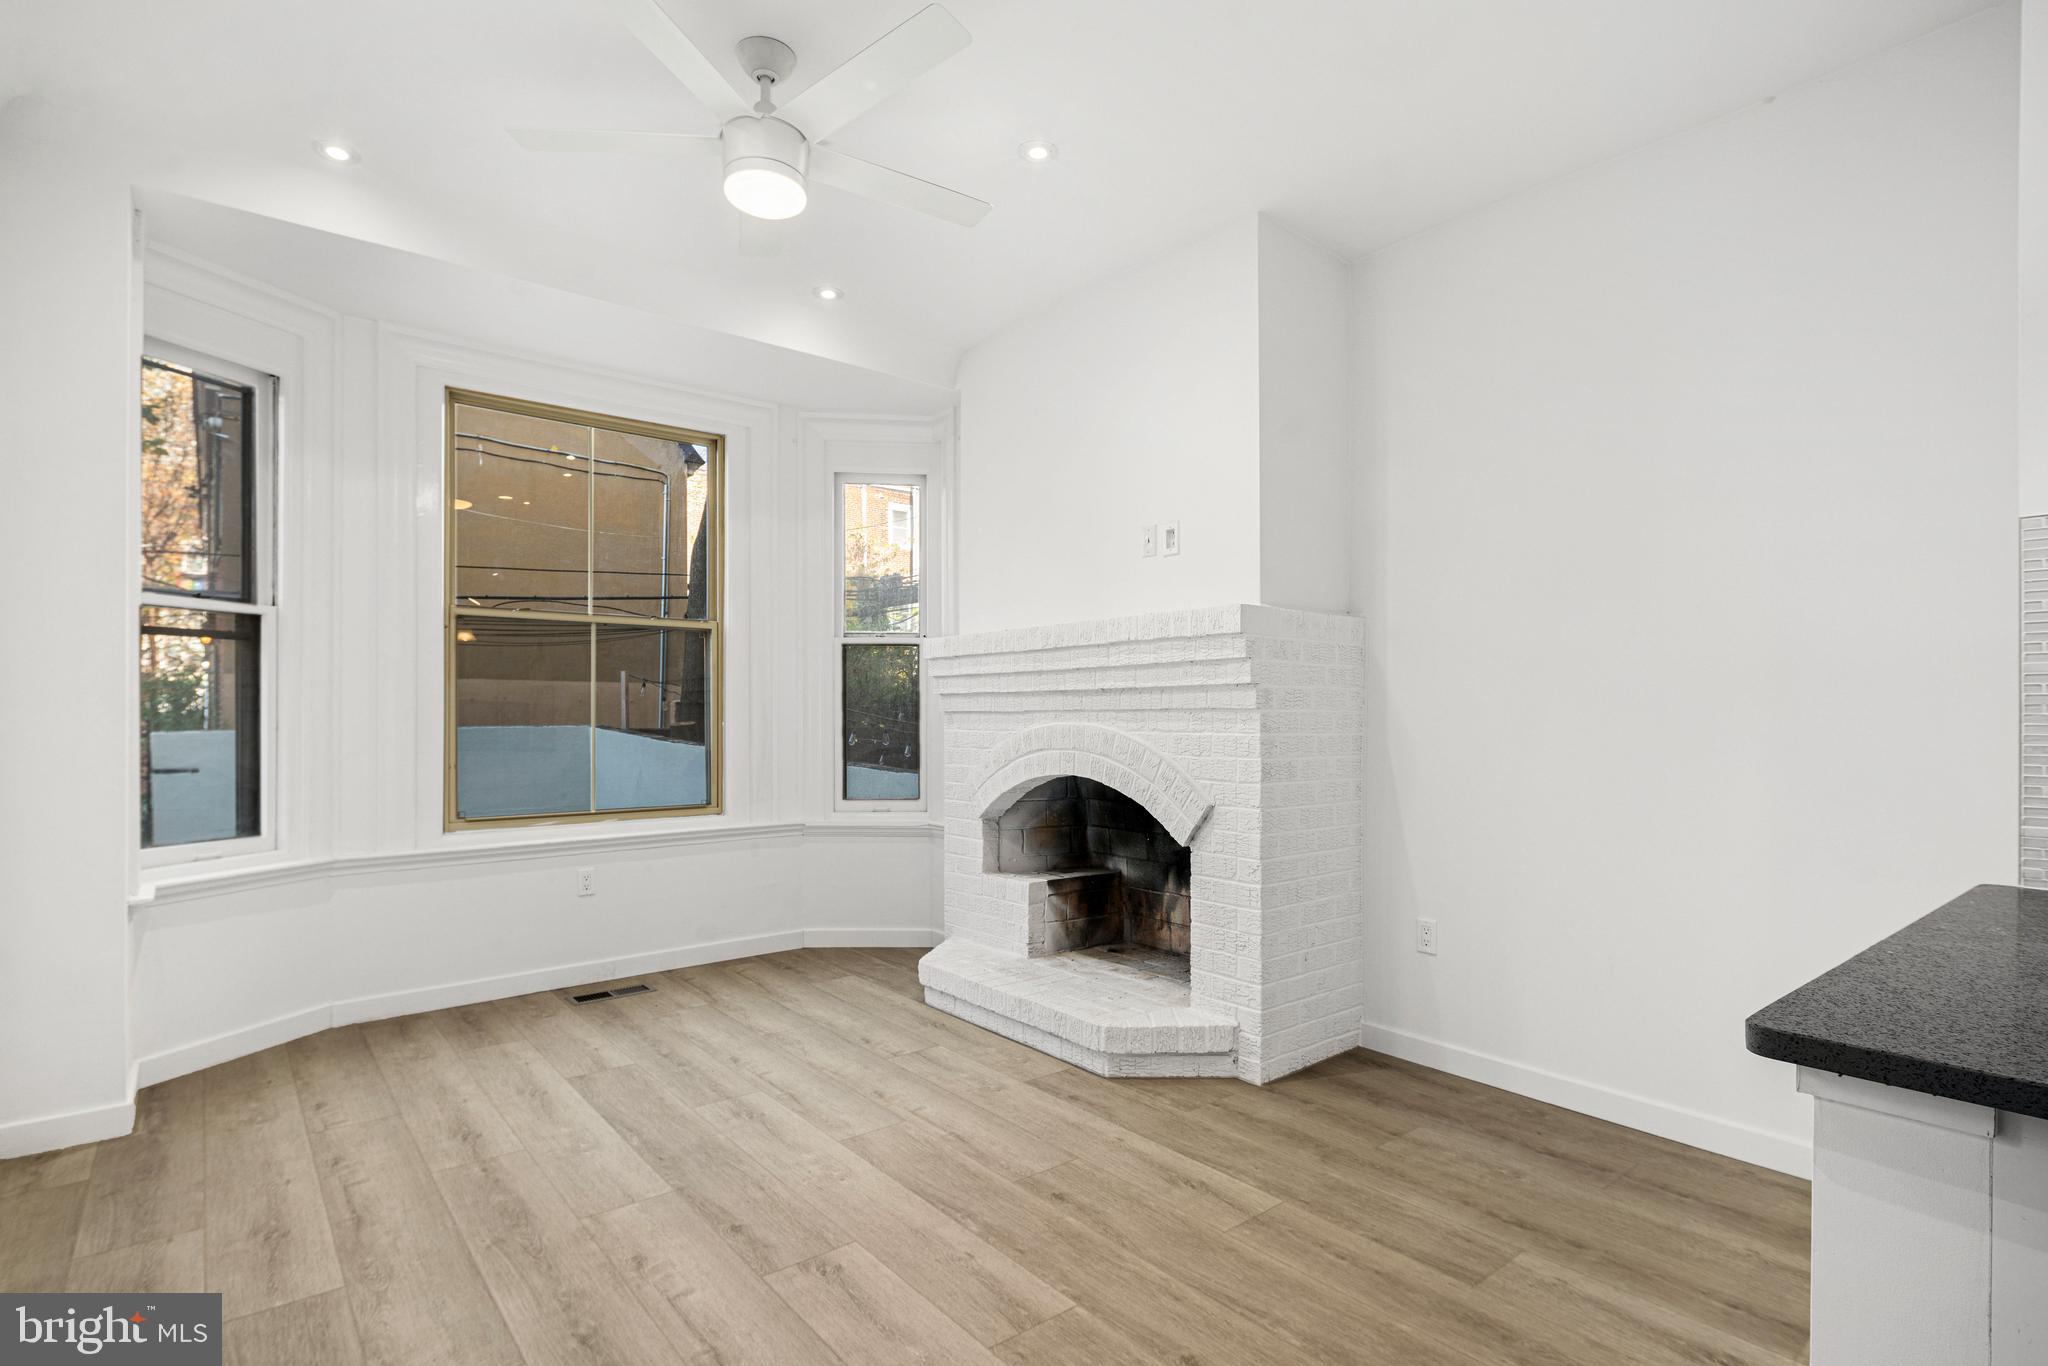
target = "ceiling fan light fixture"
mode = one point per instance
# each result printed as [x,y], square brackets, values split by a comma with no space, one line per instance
[765,164]
[764,188]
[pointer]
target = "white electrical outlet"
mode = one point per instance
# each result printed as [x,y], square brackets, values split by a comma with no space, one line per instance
[1150,544]
[1425,936]
[1169,538]
[586,882]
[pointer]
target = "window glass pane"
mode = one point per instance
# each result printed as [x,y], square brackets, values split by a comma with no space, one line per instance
[653,717]
[879,718]
[522,717]
[652,514]
[201,765]
[882,556]
[197,451]
[522,511]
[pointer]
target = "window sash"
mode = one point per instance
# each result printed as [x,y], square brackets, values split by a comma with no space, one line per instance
[262,590]
[711,625]
[842,637]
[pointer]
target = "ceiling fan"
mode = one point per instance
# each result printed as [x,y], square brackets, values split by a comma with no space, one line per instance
[772,155]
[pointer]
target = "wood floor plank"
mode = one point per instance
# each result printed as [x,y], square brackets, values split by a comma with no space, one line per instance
[769,1225]
[1306,1164]
[38,1228]
[416,1294]
[989,1049]
[338,1080]
[1741,1286]
[150,1185]
[878,1077]
[320,1331]
[659,1045]
[583,1156]
[971,1282]
[477,1026]
[559,1294]
[64,1167]
[1597,1324]
[437,1095]
[878,1031]
[839,1110]
[267,1237]
[1260,1289]
[699,1288]
[1212,1195]
[271,1067]
[164,1266]
[1068,1253]
[568,1036]
[680,989]
[869,1316]
[1076,1336]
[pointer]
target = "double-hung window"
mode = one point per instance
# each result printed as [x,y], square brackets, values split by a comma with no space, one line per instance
[207,631]
[881,629]
[583,621]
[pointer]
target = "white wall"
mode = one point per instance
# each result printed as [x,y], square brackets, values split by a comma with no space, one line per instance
[1306,470]
[1688,560]
[68,376]
[1132,402]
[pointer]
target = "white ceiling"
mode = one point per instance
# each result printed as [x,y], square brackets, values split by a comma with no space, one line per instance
[1355,121]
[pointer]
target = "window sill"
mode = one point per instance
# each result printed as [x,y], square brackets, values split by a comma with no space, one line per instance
[190,884]
[901,825]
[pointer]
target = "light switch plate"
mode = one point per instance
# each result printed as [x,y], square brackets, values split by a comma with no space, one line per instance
[1150,543]
[1169,538]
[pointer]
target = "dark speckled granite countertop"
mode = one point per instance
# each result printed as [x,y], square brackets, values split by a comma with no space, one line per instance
[1955,1004]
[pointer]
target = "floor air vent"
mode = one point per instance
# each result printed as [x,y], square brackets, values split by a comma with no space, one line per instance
[587,997]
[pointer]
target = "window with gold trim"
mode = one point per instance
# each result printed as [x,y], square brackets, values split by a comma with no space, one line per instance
[583,624]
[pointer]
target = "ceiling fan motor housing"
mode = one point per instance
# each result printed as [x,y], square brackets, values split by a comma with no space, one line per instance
[770,144]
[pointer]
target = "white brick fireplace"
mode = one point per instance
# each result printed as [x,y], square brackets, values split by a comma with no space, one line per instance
[1237,730]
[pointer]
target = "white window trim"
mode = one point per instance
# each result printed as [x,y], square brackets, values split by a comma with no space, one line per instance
[263,565]
[842,638]
[414,372]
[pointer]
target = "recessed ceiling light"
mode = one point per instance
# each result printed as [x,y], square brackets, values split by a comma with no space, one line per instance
[826,292]
[504,497]
[1038,153]
[339,152]
[463,505]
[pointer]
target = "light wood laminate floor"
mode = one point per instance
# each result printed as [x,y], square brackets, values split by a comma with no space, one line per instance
[790,1159]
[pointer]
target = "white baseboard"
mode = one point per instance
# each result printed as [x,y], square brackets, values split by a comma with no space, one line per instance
[46,1133]
[1780,1152]
[415,1000]
[226,1047]
[908,937]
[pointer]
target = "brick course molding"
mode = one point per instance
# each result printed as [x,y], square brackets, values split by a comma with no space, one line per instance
[1239,728]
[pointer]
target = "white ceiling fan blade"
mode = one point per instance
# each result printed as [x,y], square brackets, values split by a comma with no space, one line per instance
[830,166]
[661,35]
[628,143]
[876,72]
